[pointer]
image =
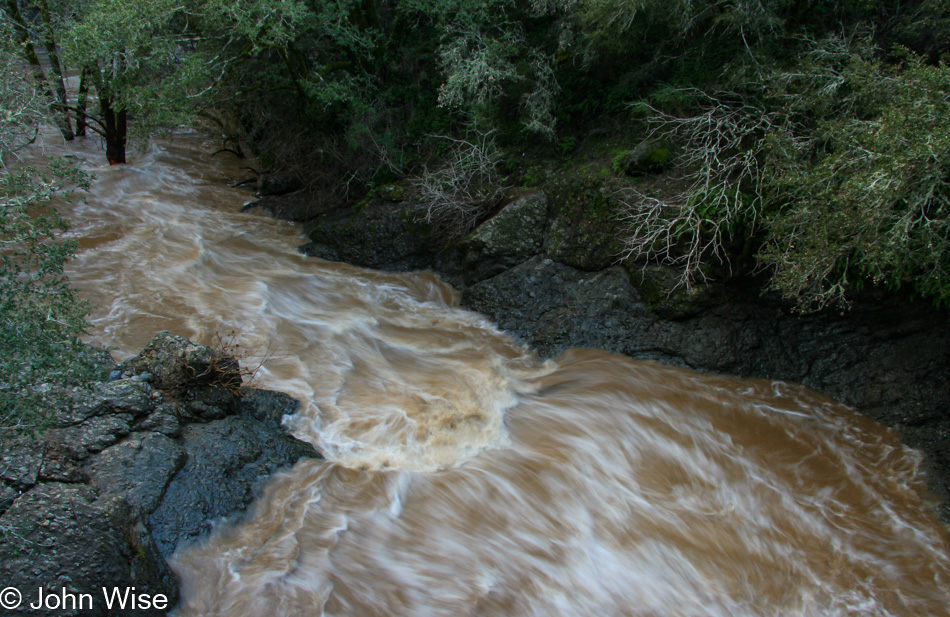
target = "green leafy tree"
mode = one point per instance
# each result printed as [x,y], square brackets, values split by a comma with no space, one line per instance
[130,51]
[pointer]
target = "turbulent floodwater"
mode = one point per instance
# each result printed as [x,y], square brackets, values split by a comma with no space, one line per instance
[464,476]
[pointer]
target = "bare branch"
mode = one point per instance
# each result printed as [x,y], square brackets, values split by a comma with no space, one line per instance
[465,188]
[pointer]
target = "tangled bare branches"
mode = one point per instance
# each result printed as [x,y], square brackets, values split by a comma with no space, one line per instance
[719,168]
[458,194]
[719,153]
[670,233]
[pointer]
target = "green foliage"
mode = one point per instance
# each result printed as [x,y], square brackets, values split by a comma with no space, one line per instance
[863,193]
[129,44]
[598,27]
[837,162]
[532,178]
[567,145]
[40,317]
[924,29]
[477,68]
[617,164]
[660,156]
[259,25]
[647,158]
[717,194]
[487,59]
[822,149]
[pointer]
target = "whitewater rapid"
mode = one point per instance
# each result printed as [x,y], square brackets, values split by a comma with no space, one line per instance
[464,476]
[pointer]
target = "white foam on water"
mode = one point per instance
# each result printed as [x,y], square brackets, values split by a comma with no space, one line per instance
[465,477]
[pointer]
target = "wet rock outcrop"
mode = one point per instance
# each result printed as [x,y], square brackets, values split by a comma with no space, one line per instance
[378,234]
[133,468]
[511,237]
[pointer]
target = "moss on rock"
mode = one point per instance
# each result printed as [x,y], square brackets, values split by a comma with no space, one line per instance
[662,288]
[583,229]
[647,158]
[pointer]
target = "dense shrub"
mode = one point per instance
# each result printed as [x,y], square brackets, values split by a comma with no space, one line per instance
[799,134]
[837,163]
[860,192]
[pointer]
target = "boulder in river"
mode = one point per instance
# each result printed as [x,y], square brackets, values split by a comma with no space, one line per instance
[376,233]
[279,184]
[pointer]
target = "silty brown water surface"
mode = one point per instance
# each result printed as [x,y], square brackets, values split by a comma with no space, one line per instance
[466,477]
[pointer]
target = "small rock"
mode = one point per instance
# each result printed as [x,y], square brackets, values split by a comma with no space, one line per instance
[648,157]
[59,465]
[165,420]
[322,251]
[268,406]
[20,459]
[93,435]
[7,495]
[175,364]
[211,402]
[123,395]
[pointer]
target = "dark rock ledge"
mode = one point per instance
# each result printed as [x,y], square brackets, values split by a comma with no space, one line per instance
[133,468]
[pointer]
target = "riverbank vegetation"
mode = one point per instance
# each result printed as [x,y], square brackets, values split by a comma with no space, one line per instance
[800,138]
[40,316]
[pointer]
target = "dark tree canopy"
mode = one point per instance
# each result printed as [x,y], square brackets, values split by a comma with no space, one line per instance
[802,134]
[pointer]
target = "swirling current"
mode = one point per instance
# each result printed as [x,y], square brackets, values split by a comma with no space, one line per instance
[464,476]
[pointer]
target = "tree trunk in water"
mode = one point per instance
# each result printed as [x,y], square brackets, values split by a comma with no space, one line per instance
[22,34]
[116,131]
[81,103]
[59,84]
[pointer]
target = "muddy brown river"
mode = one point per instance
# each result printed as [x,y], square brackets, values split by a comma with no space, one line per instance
[466,477]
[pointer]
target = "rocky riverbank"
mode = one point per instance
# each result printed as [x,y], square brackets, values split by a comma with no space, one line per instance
[545,268]
[130,469]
